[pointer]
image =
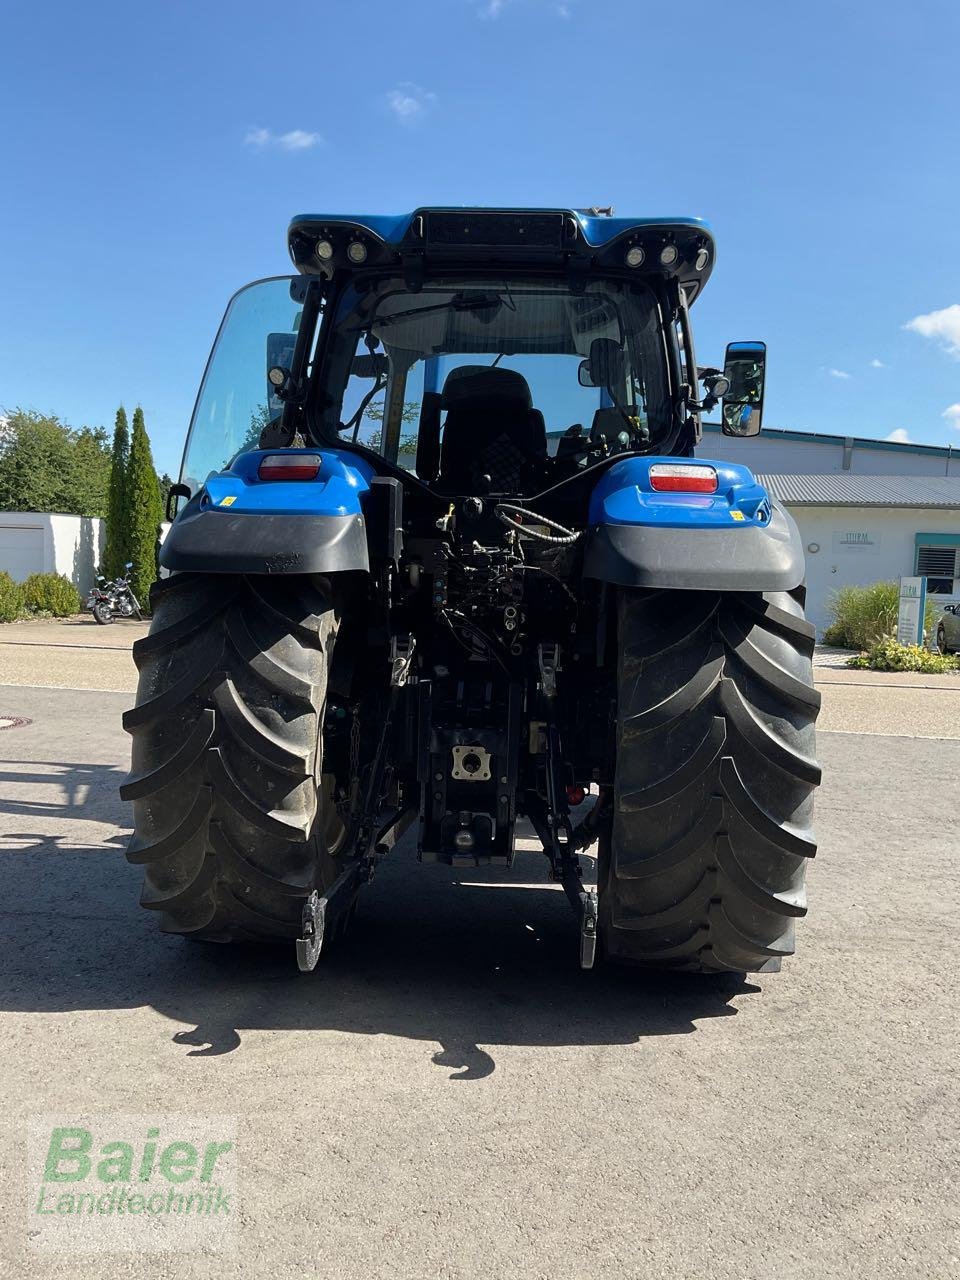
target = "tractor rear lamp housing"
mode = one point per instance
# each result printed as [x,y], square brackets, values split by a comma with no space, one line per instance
[682,477]
[290,466]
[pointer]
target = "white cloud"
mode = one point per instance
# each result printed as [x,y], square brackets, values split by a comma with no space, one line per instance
[941,326]
[839,373]
[408,102]
[294,140]
[490,10]
[952,415]
[877,364]
[900,436]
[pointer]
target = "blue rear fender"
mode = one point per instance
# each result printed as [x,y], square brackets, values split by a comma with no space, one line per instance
[239,523]
[733,539]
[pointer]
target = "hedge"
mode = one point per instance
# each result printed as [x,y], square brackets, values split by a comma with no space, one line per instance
[51,593]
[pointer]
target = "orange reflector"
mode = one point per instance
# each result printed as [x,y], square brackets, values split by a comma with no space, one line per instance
[682,477]
[290,466]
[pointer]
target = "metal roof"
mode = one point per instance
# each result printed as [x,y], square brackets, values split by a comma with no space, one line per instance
[857,442]
[864,491]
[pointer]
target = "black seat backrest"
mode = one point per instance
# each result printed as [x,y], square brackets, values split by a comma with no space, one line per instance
[491,429]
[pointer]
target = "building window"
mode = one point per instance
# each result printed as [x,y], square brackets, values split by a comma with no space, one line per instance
[939,566]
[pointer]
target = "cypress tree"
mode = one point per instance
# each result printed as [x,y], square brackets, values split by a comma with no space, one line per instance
[142,510]
[115,551]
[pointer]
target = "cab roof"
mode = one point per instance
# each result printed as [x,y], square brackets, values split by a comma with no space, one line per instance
[586,241]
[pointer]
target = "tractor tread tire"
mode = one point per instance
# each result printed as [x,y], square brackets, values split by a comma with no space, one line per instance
[704,866]
[226,754]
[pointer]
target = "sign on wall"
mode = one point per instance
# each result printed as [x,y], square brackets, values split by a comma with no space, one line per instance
[855,540]
[913,599]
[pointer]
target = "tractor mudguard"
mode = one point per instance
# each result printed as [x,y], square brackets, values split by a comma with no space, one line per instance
[240,523]
[734,539]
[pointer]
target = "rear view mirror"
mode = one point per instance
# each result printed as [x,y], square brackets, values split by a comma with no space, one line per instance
[606,363]
[280,349]
[375,366]
[173,493]
[583,374]
[744,367]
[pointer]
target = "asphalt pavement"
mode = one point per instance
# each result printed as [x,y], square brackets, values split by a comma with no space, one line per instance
[449,1096]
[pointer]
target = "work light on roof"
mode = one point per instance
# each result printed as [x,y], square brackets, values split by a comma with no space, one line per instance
[324,250]
[357,251]
[702,258]
[668,255]
[635,256]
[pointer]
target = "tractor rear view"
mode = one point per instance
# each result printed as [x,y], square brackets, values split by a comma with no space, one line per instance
[446,556]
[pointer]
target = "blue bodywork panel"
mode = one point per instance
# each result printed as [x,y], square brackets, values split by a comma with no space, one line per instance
[432,237]
[625,496]
[735,539]
[597,231]
[238,523]
[342,481]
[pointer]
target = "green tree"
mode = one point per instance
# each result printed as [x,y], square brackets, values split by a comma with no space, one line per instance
[409,413]
[115,552]
[142,510]
[88,482]
[35,463]
[46,465]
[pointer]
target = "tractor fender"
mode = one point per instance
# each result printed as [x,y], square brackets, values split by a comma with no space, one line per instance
[734,539]
[239,523]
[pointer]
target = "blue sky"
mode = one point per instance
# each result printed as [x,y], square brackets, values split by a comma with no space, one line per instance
[151,157]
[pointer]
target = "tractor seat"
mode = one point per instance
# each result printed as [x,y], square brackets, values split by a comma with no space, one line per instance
[491,429]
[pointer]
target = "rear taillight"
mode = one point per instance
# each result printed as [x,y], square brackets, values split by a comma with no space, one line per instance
[289,466]
[682,477]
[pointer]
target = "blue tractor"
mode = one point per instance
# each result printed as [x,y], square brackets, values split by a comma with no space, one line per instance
[443,553]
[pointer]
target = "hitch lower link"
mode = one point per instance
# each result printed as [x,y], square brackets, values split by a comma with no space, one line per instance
[561,844]
[323,914]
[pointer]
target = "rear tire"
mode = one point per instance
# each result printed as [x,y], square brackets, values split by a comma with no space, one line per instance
[227,752]
[705,864]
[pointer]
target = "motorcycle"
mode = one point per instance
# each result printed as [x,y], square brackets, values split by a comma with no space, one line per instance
[109,600]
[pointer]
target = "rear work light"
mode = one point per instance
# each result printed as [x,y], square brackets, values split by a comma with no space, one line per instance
[290,466]
[682,477]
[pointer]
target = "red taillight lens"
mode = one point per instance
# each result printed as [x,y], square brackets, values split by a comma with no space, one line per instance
[682,477]
[290,466]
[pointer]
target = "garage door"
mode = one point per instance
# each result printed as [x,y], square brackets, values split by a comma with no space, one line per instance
[21,550]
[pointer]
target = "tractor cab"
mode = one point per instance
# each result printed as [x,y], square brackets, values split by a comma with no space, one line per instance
[474,351]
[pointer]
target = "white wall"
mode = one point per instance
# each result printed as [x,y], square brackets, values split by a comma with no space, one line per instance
[71,545]
[845,560]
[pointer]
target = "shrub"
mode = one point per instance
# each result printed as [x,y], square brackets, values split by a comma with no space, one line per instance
[51,593]
[11,598]
[864,615]
[887,654]
[861,615]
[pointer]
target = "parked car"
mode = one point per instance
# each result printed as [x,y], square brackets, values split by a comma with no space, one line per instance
[948,629]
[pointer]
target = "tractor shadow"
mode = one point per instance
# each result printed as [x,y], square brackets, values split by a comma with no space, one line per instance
[468,963]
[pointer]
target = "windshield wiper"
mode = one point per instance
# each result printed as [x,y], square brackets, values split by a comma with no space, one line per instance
[459,302]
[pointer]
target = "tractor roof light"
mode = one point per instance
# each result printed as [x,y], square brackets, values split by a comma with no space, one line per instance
[634,256]
[290,466]
[682,477]
[668,255]
[702,258]
[357,252]
[324,250]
